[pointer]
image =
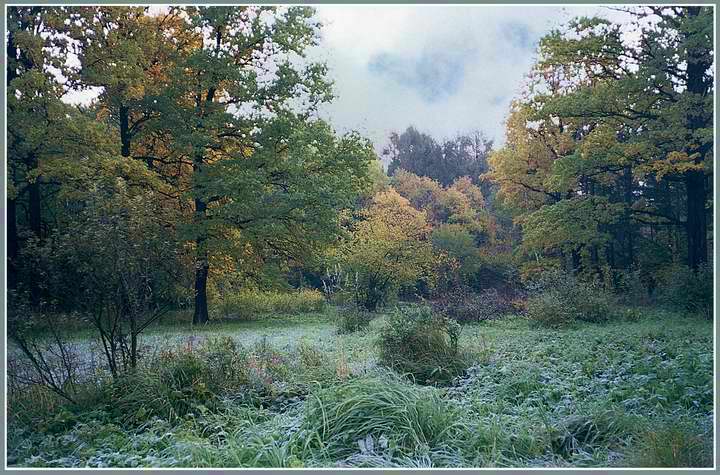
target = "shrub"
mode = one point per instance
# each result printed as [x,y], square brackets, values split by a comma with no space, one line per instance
[423,344]
[181,381]
[353,319]
[682,289]
[247,304]
[225,364]
[631,287]
[463,305]
[378,414]
[559,299]
[673,445]
[549,309]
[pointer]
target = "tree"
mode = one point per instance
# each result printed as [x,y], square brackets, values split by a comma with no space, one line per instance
[389,250]
[419,153]
[655,97]
[460,203]
[118,266]
[35,48]
[235,97]
[608,118]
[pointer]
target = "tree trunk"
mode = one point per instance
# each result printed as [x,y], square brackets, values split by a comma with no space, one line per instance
[202,267]
[34,208]
[697,64]
[628,224]
[124,131]
[200,316]
[696,218]
[12,244]
[35,221]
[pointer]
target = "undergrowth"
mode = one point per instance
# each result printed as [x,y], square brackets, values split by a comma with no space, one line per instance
[636,392]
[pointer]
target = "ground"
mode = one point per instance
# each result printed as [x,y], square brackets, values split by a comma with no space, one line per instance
[632,392]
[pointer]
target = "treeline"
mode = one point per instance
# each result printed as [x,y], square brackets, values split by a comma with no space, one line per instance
[605,173]
[201,168]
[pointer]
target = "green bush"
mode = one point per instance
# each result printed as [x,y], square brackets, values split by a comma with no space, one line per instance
[673,445]
[558,299]
[422,344]
[549,309]
[246,304]
[383,412]
[353,319]
[684,290]
[181,381]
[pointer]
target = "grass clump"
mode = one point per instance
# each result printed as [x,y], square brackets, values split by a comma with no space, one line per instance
[382,415]
[353,319]
[246,304]
[676,444]
[180,382]
[423,344]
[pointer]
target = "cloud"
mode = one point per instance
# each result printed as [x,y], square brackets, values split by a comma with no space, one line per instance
[435,74]
[519,35]
[445,69]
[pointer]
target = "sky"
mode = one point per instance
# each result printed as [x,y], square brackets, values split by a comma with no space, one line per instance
[444,69]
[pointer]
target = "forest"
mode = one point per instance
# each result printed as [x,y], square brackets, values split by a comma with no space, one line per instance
[203,272]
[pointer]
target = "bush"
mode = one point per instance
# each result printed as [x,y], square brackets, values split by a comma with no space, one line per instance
[246,304]
[423,344]
[559,299]
[379,415]
[181,381]
[549,309]
[463,305]
[684,290]
[353,319]
[673,445]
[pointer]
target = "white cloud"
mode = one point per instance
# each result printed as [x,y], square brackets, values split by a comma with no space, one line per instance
[496,46]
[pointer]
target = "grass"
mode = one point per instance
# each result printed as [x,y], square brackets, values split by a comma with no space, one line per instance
[633,392]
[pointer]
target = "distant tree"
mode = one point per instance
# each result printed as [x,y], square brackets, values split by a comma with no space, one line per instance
[461,203]
[419,153]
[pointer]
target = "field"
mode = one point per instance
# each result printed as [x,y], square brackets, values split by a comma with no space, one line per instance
[289,391]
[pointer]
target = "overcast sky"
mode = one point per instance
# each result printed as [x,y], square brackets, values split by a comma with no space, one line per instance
[444,69]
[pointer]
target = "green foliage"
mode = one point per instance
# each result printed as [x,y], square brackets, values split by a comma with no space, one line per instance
[569,224]
[353,319]
[550,309]
[182,382]
[674,444]
[686,290]
[381,414]
[248,304]
[561,299]
[418,342]
[389,251]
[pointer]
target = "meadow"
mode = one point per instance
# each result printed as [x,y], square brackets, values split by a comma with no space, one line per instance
[289,390]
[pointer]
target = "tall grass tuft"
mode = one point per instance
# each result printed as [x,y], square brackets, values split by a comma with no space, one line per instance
[379,415]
